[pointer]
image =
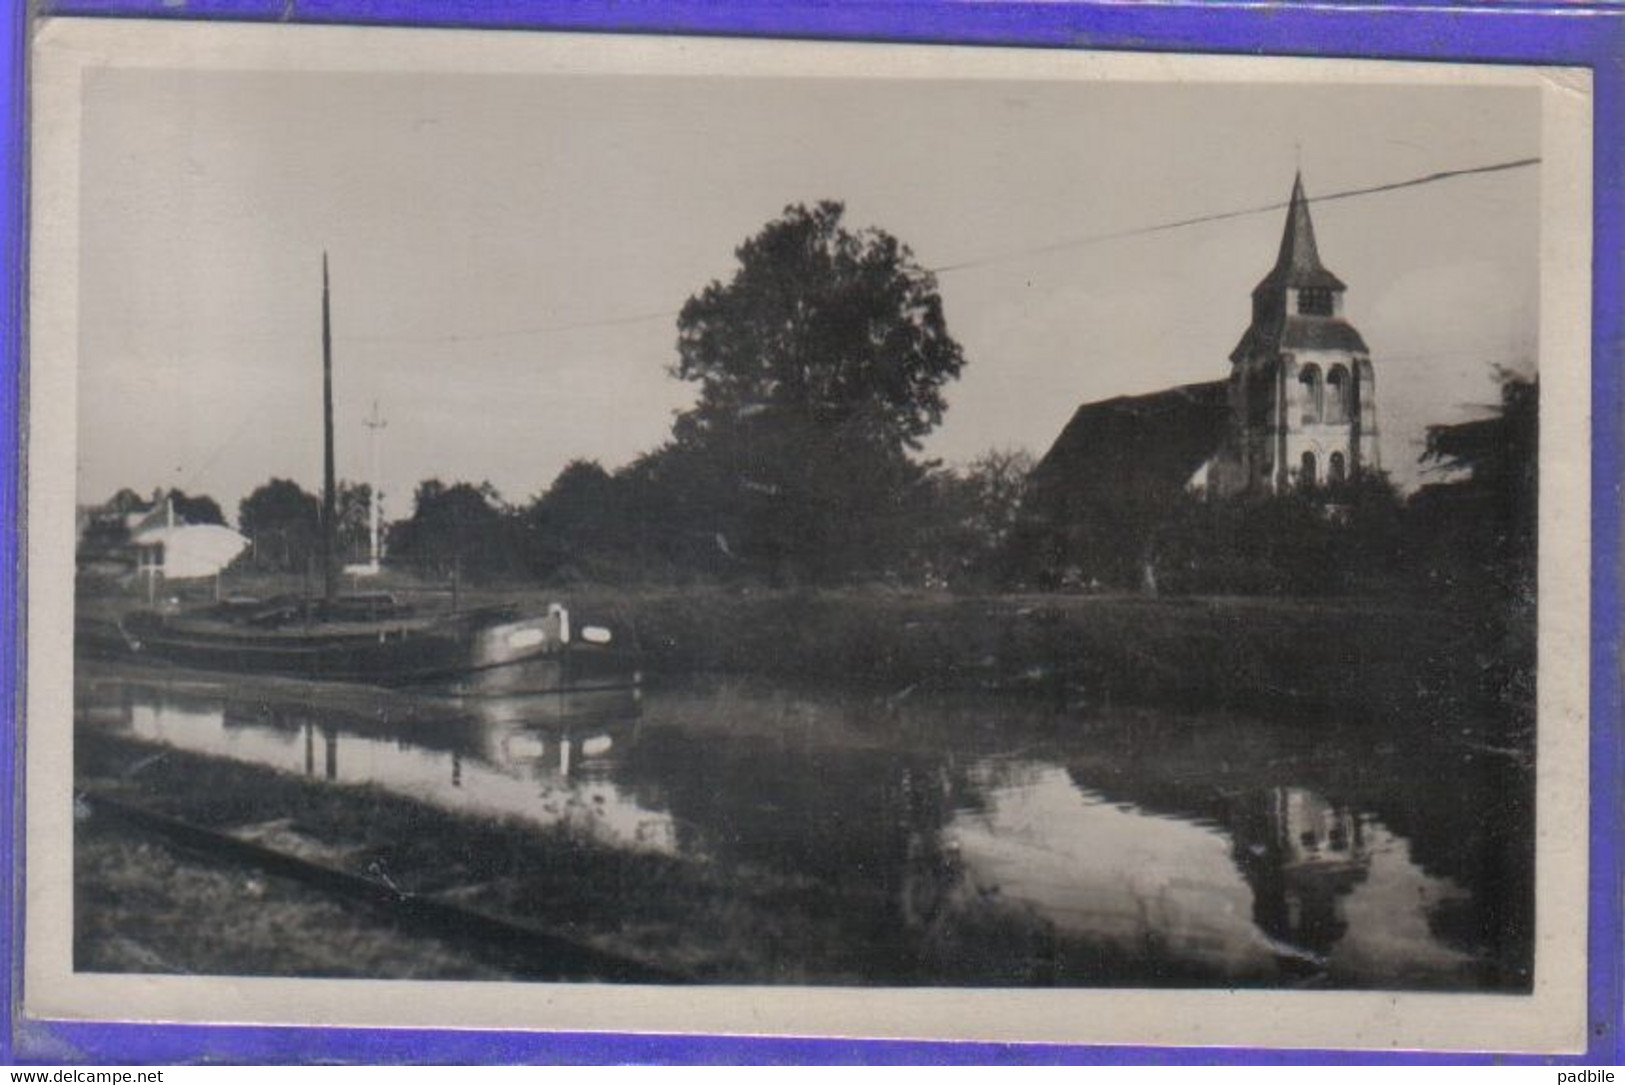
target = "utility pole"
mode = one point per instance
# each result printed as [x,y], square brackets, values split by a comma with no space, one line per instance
[374,422]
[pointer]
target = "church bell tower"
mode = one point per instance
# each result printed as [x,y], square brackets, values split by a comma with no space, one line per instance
[1302,393]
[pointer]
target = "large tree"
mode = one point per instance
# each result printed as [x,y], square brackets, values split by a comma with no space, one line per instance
[1500,453]
[840,329]
[821,365]
[455,531]
[283,524]
[964,537]
[1480,525]
[578,523]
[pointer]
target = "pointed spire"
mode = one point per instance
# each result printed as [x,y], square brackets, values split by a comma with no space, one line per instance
[1298,250]
[1298,263]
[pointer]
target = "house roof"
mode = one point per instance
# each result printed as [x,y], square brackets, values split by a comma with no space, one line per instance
[192,550]
[1298,263]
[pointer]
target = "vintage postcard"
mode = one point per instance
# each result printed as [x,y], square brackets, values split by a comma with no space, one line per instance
[675,535]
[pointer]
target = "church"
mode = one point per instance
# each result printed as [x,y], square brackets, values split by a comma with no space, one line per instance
[1297,412]
[1301,395]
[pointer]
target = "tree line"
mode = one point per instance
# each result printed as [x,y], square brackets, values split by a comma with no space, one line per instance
[820,366]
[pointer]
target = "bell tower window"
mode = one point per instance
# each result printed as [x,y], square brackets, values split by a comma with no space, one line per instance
[1313,393]
[1315,301]
[1337,394]
[1337,471]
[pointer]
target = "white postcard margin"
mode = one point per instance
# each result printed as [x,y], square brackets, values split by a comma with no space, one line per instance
[1551,1019]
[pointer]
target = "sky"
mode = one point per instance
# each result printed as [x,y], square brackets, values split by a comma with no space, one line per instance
[508,253]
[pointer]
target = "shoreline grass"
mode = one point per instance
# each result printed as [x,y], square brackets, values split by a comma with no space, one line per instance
[144,904]
[1356,658]
[664,911]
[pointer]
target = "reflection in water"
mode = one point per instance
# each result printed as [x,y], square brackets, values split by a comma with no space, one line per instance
[475,765]
[965,840]
[1302,855]
[1293,886]
[1107,872]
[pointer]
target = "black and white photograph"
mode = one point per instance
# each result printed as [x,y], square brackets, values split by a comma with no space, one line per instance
[834,539]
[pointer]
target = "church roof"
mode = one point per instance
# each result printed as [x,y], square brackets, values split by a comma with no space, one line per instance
[1134,447]
[1301,333]
[1298,263]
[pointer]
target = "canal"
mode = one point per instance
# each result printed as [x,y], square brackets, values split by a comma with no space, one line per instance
[951,838]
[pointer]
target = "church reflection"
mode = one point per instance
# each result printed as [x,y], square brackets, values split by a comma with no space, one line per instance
[1302,855]
[1272,885]
[988,869]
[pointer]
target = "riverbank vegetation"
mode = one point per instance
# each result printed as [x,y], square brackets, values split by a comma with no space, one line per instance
[1345,659]
[145,904]
[819,368]
[790,526]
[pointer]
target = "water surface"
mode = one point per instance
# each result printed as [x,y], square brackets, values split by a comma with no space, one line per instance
[963,838]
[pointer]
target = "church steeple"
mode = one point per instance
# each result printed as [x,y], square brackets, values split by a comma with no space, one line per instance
[1298,284]
[1298,264]
[1303,410]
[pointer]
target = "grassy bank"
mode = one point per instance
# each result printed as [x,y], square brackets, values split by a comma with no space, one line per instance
[679,915]
[1357,658]
[1284,658]
[142,904]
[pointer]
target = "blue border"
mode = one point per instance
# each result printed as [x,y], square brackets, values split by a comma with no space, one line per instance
[1588,35]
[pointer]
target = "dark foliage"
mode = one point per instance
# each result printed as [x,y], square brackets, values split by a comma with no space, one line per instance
[680,516]
[283,526]
[578,527]
[461,530]
[840,331]
[105,530]
[821,365]
[124,502]
[1478,530]
[1475,536]
[199,509]
[968,519]
[1333,540]
[354,521]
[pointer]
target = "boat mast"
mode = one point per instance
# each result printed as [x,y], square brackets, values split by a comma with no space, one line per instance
[330,578]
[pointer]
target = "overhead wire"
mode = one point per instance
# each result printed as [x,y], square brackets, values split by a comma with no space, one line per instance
[1221,216]
[964,265]
[994,258]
